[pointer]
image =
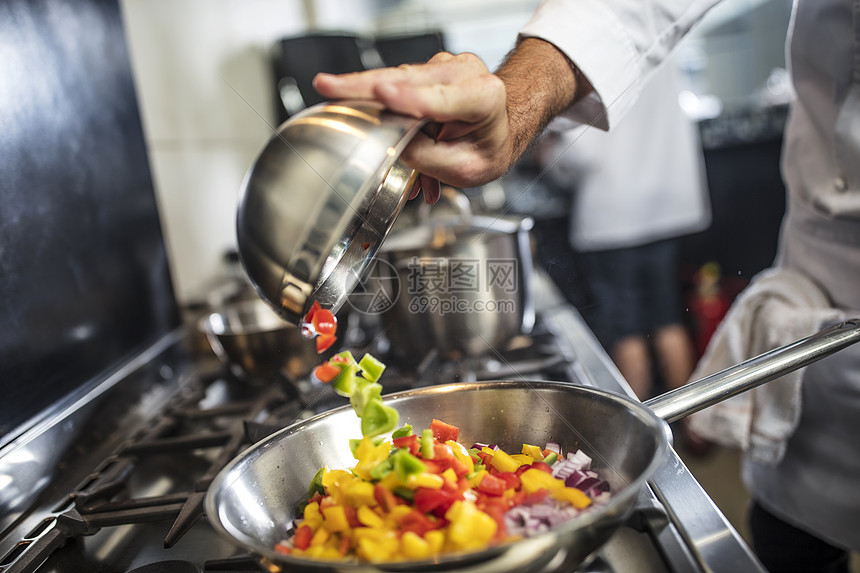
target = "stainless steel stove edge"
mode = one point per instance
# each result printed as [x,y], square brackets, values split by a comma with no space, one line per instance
[714,543]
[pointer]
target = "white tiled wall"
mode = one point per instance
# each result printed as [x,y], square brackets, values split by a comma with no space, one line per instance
[204,88]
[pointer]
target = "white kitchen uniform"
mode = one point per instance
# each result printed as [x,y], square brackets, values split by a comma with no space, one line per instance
[618,44]
[629,194]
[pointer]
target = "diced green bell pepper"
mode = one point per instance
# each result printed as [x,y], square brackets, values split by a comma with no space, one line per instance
[402,432]
[427,444]
[345,381]
[363,393]
[383,469]
[316,485]
[551,458]
[377,418]
[405,465]
[371,368]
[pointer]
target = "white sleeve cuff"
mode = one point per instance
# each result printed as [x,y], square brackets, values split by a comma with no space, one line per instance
[600,47]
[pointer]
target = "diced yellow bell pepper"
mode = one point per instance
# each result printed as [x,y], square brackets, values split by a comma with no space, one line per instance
[576,498]
[523,459]
[424,479]
[391,481]
[335,518]
[370,456]
[359,493]
[533,480]
[462,454]
[435,539]
[413,546]
[475,480]
[369,517]
[400,511]
[450,476]
[503,462]
[320,537]
[533,451]
[470,528]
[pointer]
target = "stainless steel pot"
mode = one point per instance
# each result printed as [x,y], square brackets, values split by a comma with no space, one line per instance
[466,285]
[257,344]
[253,500]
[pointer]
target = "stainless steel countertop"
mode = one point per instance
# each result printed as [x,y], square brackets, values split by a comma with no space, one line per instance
[715,543]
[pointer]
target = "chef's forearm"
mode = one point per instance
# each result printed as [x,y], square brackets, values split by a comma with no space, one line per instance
[541,83]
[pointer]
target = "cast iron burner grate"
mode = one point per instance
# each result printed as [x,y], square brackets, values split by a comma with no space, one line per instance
[186,446]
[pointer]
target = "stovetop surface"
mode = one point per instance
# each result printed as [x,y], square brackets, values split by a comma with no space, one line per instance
[131,496]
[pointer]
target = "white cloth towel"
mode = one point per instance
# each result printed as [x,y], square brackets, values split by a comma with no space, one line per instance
[779,307]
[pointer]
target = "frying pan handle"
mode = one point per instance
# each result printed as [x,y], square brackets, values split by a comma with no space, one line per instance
[722,385]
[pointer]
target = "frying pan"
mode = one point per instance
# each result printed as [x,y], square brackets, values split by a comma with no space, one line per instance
[253,500]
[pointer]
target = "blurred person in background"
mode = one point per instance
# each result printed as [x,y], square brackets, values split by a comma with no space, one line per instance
[589,59]
[635,190]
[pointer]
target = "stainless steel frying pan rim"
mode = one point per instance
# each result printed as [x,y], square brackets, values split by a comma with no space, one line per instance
[617,502]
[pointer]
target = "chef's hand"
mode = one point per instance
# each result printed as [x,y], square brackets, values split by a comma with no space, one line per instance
[487,120]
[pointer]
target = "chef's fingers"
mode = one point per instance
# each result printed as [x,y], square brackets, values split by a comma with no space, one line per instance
[431,188]
[442,69]
[416,188]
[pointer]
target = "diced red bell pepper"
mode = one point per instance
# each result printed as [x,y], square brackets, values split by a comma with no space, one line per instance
[433,467]
[544,467]
[512,480]
[437,501]
[324,322]
[326,372]
[444,432]
[345,543]
[486,459]
[418,523]
[282,549]
[492,485]
[309,317]
[523,498]
[352,516]
[324,342]
[442,452]
[302,538]
[410,442]
[385,498]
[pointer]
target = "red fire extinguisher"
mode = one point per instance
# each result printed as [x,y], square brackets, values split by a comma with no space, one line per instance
[708,306]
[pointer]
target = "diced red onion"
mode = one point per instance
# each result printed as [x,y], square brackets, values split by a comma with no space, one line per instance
[554,447]
[563,468]
[582,461]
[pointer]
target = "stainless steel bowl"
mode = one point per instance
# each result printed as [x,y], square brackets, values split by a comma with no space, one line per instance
[318,201]
[257,344]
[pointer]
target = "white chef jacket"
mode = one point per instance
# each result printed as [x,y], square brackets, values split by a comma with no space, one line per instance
[627,194]
[618,45]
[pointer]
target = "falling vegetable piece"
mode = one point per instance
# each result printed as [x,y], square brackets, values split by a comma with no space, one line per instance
[326,372]
[321,323]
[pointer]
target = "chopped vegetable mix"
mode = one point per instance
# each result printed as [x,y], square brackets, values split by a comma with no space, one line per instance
[417,495]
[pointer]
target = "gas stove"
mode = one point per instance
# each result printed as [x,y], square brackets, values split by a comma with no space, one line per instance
[116,482]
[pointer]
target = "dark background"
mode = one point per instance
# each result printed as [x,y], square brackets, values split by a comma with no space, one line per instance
[84,280]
